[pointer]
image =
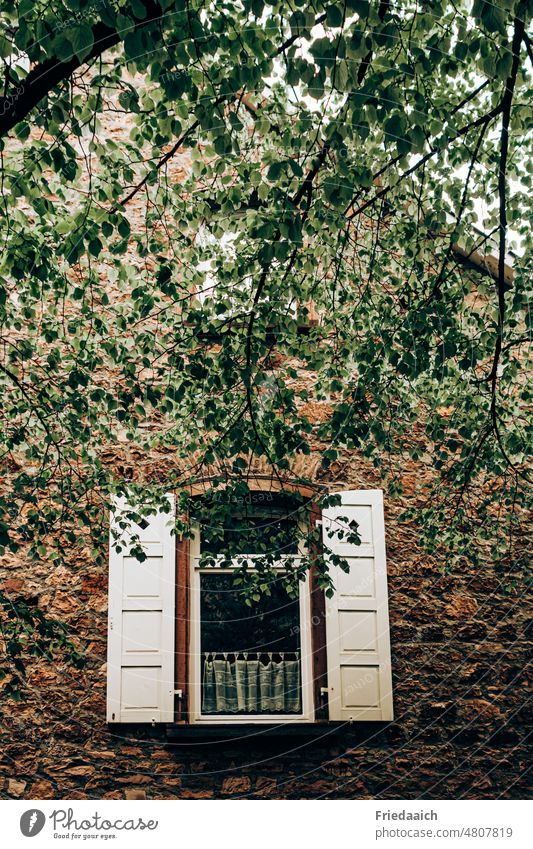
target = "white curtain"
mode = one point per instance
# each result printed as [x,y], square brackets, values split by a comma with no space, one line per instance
[251,685]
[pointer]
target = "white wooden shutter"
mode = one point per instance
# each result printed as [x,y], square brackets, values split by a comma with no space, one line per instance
[140,657]
[357,618]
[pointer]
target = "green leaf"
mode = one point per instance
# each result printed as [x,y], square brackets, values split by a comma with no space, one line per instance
[493,17]
[22,130]
[394,127]
[503,66]
[138,9]
[63,48]
[417,137]
[362,7]
[133,44]
[274,171]
[334,15]
[6,48]
[95,247]
[342,76]
[124,228]
[82,41]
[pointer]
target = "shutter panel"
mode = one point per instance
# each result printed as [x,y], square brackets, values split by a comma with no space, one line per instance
[140,657]
[357,618]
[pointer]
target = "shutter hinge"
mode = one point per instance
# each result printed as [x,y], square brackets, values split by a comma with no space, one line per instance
[325,690]
[178,693]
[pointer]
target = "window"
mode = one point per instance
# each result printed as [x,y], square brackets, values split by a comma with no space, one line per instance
[184,647]
[250,663]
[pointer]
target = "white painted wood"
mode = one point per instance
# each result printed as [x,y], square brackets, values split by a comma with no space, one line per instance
[140,650]
[357,617]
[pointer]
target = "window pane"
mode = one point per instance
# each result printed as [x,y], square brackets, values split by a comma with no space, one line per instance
[263,522]
[254,534]
[250,655]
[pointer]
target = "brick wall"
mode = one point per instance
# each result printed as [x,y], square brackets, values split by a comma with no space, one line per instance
[459,659]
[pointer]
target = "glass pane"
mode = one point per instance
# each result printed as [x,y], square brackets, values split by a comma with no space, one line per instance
[263,522]
[272,533]
[250,655]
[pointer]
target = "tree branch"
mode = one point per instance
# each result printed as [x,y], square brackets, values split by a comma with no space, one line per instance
[295,37]
[164,159]
[48,74]
[506,104]
[363,67]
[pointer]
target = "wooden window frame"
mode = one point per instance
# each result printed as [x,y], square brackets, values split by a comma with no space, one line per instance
[315,623]
[195,684]
[182,631]
[318,633]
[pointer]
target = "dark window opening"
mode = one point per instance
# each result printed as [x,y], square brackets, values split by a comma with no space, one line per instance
[251,660]
[264,523]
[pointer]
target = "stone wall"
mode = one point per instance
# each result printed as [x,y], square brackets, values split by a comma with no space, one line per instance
[458,658]
[459,665]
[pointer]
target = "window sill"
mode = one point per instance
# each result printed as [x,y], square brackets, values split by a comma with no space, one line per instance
[258,731]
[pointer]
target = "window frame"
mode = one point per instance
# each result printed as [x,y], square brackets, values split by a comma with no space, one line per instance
[195,656]
[167,701]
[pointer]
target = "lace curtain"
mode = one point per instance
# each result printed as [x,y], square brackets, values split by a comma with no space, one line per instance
[250,685]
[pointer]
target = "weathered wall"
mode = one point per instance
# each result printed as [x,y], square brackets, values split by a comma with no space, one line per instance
[459,647]
[459,659]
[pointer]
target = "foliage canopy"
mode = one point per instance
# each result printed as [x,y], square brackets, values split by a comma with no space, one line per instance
[360,157]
